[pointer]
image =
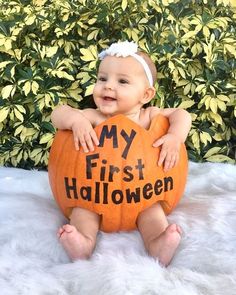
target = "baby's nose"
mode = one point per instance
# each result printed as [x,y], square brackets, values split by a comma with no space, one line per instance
[109,85]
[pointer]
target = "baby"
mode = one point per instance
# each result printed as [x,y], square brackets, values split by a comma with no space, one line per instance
[125,83]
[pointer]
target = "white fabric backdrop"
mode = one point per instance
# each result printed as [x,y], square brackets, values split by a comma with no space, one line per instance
[32,262]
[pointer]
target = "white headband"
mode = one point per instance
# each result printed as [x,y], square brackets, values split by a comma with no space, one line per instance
[124,49]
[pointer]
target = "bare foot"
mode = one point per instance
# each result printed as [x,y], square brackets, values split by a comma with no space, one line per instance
[76,245]
[164,246]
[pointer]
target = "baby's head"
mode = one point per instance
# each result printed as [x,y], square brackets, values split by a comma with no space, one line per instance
[125,80]
[125,49]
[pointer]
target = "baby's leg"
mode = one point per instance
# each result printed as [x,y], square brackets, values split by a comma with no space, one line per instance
[160,239]
[79,237]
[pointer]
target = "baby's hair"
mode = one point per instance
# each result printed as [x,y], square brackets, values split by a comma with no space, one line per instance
[150,64]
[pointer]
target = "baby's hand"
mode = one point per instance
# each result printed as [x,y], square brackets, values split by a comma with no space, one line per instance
[84,135]
[169,154]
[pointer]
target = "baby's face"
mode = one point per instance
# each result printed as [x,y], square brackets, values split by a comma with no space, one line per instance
[120,86]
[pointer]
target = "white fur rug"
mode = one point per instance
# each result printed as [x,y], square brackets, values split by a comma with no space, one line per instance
[32,262]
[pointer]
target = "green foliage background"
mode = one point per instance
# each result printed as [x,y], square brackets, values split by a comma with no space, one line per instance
[48,56]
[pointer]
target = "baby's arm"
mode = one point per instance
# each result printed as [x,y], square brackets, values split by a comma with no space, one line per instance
[80,122]
[180,124]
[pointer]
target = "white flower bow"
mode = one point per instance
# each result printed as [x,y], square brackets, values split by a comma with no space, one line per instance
[121,49]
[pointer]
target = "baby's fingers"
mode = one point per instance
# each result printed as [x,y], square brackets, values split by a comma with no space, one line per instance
[158,142]
[94,137]
[81,142]
[91,140]
[87,143]
[170,161]
[162,157]
[76,142]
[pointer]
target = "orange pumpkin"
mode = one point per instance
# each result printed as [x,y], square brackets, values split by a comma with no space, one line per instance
[121,177]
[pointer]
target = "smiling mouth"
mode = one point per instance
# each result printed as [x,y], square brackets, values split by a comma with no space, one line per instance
[109,98]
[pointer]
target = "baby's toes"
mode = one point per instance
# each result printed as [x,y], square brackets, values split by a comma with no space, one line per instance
[60,232]
[69,228]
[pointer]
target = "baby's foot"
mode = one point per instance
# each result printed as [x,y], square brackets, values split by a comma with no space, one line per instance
[76,245]
[166,244]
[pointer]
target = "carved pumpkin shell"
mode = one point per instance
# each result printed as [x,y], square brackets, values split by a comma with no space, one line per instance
[120,178]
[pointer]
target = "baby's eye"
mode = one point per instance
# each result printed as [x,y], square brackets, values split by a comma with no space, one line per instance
[123,81]
[102,79]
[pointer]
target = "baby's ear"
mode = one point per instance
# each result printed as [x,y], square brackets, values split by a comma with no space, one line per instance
[148,95]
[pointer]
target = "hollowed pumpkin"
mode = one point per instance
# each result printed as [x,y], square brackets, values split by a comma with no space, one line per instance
[120,178]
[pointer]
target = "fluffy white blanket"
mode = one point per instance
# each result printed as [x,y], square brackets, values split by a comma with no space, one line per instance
[32,262]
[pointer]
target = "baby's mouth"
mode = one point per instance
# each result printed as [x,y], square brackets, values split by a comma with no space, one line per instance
[109,98]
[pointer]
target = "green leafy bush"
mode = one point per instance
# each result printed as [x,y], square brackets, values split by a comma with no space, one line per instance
[49,57]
